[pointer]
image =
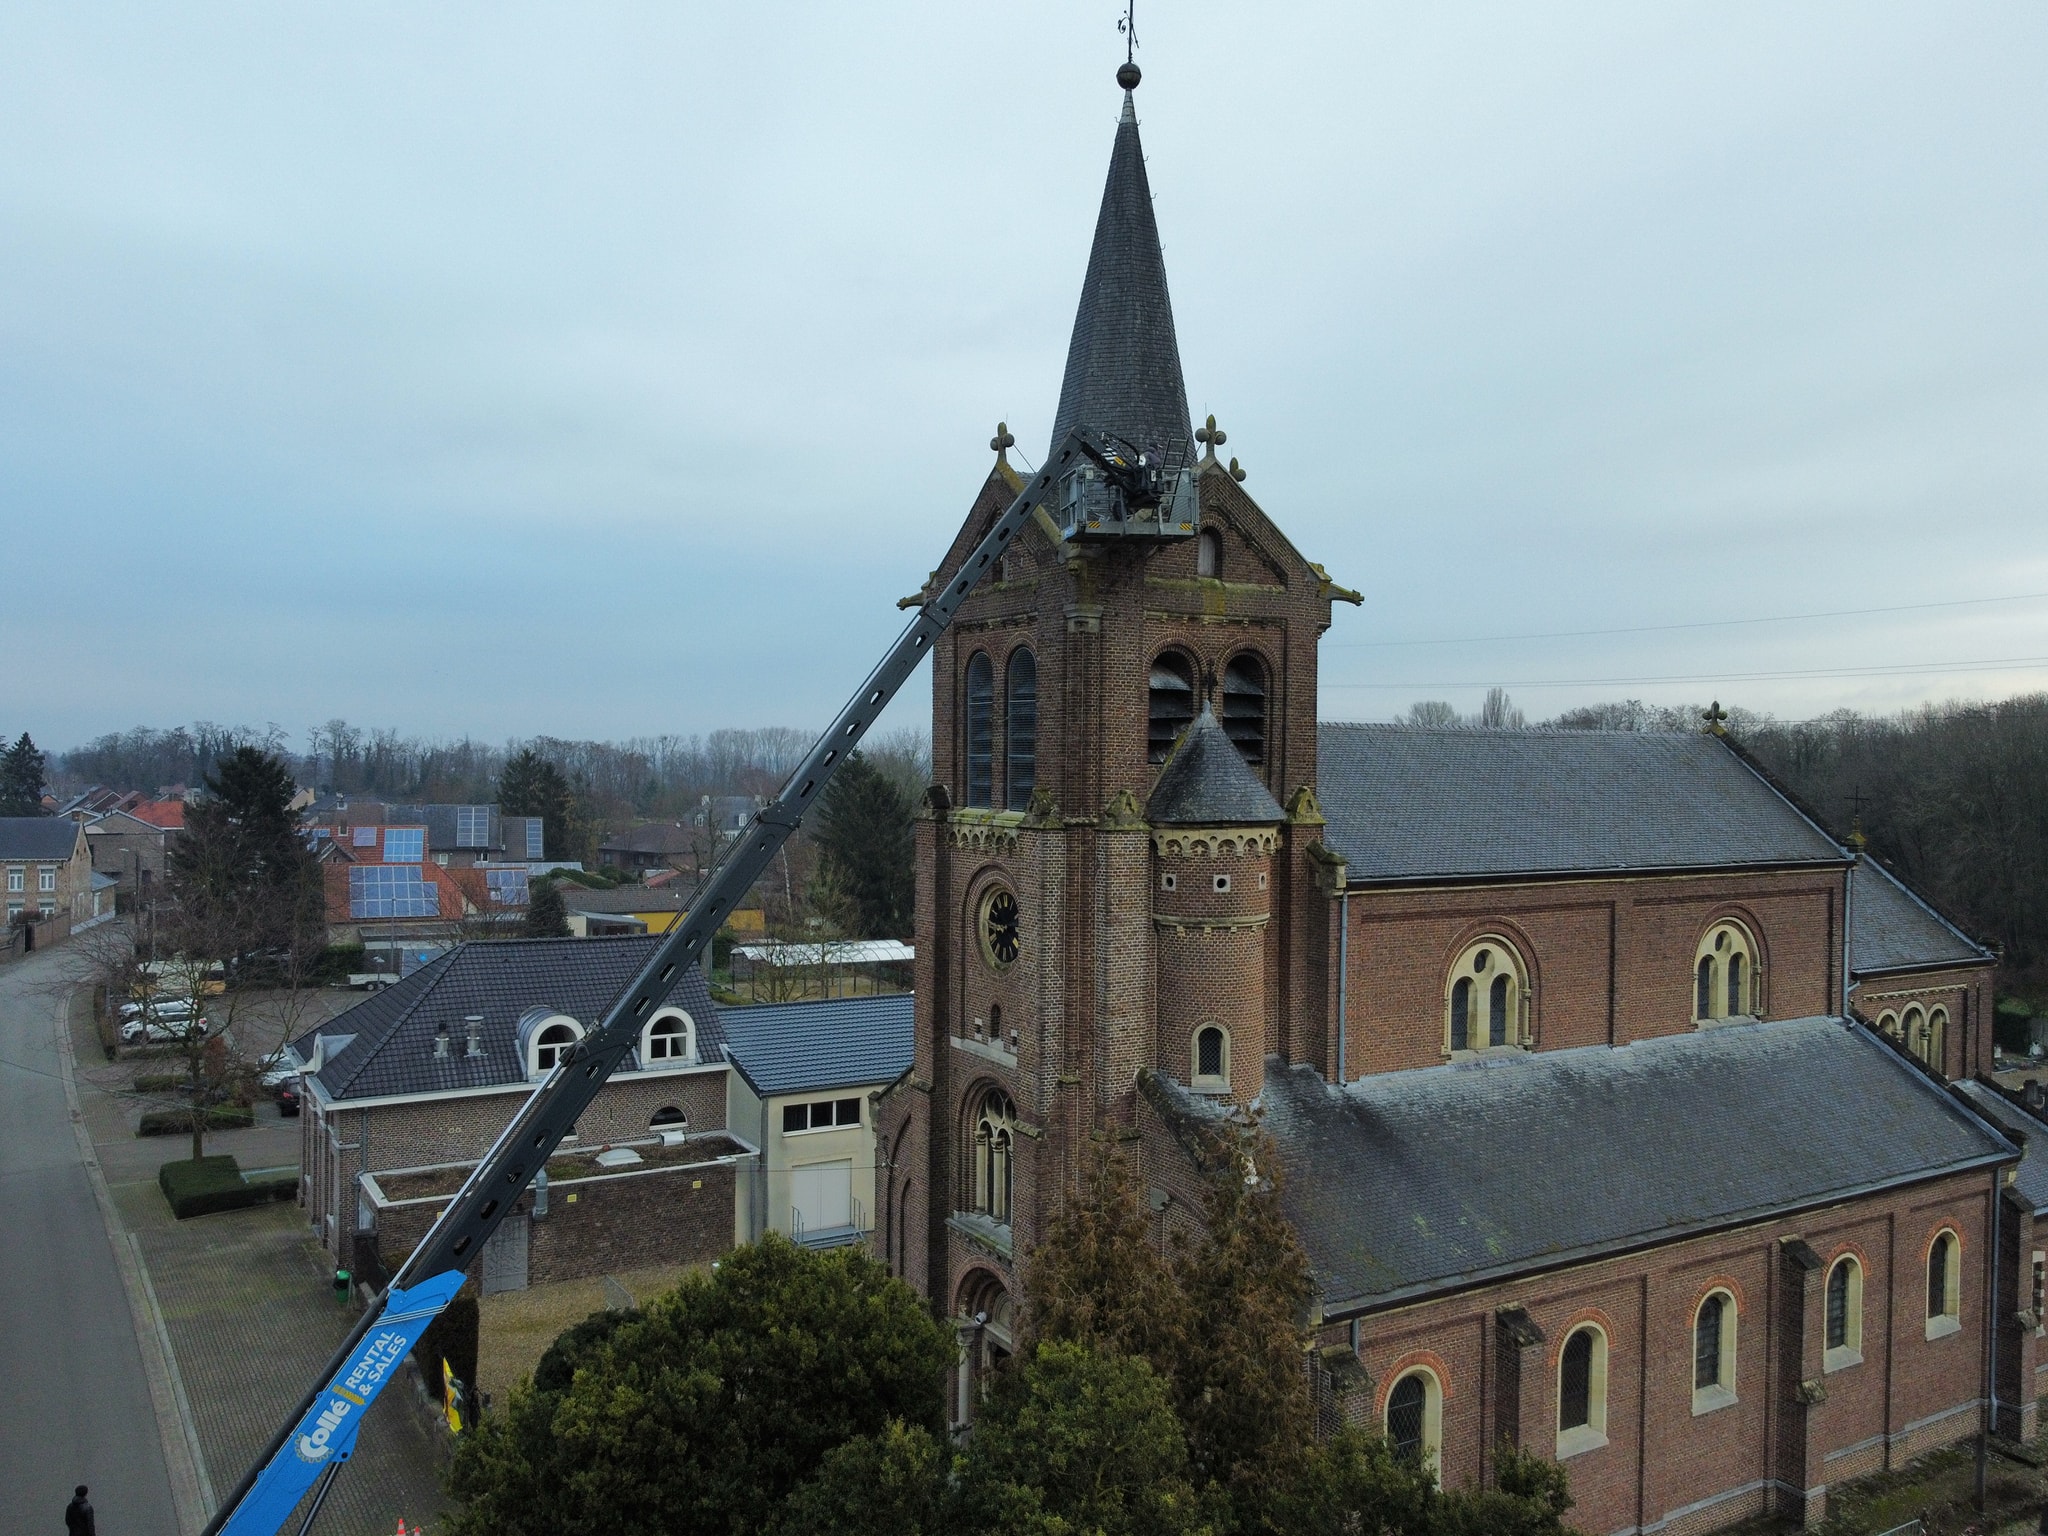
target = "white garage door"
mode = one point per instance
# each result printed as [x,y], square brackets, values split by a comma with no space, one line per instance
[821,1196]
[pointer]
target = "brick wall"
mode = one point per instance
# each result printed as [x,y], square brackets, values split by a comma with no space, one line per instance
[1662,1461]
[1099,990]
[339,1142]
[1608,961]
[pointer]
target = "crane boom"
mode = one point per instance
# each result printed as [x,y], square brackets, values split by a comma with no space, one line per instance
[326,1418]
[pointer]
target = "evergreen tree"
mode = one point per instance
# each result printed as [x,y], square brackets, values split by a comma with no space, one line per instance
[1076,1440]
[865,851]
[889,1484]
[243,878]
[530,785]
[547,915]
[1098,1277]
[22,769]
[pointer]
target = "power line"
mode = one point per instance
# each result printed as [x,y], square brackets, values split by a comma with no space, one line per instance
[1650,629]
[1996,664]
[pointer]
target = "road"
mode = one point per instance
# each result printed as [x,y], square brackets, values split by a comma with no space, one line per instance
[75,1404]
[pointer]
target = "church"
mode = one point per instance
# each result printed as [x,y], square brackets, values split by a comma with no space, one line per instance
[1625,1114]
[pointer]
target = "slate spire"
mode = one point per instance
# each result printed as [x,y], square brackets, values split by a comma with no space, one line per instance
[1123,364]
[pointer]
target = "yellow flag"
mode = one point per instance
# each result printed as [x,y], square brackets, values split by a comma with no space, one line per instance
[449,1393]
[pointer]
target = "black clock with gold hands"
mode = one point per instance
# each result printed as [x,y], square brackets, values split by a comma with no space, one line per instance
[999,927]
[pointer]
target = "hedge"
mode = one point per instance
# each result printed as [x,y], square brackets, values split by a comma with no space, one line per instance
[178,1122]
[216,1184]
[162,1082]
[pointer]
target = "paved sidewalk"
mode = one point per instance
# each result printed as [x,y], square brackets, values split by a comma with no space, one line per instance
[248,1306]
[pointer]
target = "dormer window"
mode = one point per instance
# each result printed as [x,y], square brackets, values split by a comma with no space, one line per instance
[553,1042]
[544,1037]
[669,1040]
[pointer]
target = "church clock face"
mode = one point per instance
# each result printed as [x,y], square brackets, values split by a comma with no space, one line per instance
[999,928]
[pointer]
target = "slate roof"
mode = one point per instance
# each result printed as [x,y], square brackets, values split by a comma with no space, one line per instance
[441,823]
[2019,1126]
[1890,928]
[392,1051]
[1405,803]
[1206,782]
[623,898]
[1123,363]
[844,1042]
[37,837]
[1413,1183]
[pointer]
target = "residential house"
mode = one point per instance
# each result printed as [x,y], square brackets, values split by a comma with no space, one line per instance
[807,1075]
[654,845]
[623,909]
[408,1089]
[132,847]
[46,870]
[383,894]
[457,836]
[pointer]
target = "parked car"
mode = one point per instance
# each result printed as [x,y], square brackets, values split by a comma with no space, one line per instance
[155,1030]
[169,1010]
[287,1099]
[277,1072]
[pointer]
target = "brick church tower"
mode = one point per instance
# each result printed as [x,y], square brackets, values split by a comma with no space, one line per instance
[1118,859]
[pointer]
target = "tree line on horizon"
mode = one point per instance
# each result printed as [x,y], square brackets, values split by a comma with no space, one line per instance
[1952,796]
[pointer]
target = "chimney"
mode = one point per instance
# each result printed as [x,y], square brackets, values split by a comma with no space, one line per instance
[441,1042]
[473,1035]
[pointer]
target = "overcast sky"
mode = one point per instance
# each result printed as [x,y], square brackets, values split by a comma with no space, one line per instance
[605,370]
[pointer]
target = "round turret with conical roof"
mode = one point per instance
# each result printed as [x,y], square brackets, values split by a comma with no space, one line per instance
[1215,828]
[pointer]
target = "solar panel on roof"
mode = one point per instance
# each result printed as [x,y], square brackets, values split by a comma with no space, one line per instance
[472,826]
[405,845]
[391,890]
[508,886]
[533,843]
[366,837]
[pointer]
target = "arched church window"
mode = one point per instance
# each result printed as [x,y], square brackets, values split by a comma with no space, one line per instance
[1169,704]
[1488,968]
[1915,1024]
[1937,1040]
[1244,707]
[1415,1409]
[1209,553]
[995,1138]
[1020,704]
[981,725]
[1944,1285]
[1843,1342]
[1713,1352]
[1582,1391]
[1212,1057]
[1726,980]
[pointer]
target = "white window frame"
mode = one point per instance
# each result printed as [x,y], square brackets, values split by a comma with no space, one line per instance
[649,1061]
[16,878]
[1950,1319]
[1721,1394]
[547,1026]
[46,877]
[1591,1435]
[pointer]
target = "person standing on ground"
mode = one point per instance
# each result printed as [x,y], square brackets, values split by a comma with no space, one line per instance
[78,1519]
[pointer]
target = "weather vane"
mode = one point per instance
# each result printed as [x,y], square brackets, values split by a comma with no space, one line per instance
[1128,76]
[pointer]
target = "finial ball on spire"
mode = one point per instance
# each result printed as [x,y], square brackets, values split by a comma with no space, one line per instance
[1128,75]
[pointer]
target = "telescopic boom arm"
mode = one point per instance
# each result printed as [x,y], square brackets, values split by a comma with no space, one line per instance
[491,1190]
